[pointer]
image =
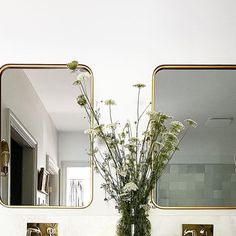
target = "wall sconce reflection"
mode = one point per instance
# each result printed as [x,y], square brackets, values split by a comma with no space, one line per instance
[4,158]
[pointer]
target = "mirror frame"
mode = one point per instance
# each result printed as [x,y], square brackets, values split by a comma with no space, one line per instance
[51,66]
[154,78]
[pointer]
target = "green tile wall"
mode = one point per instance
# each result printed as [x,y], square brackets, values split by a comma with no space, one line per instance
[197,185]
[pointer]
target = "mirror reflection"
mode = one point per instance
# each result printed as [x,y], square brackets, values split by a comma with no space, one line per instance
[203,172]
[44,128]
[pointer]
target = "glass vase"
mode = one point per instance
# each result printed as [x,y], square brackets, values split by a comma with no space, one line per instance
[133,222]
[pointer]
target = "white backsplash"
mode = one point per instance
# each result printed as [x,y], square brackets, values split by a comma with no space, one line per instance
[87,225]
[100,219]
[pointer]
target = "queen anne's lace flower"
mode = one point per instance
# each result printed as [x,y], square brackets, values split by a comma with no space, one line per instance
[82,77]
[131,186]
[112,125]
[176,126]
[94,131]
[172,137]
[157,115]
[109,102]
[89,131]
[191,123]
[139,85]
[81,100]
[122,173]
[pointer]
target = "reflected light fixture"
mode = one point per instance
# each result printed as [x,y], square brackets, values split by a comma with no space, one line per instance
[4,158]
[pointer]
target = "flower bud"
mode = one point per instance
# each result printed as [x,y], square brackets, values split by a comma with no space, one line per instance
[72,65]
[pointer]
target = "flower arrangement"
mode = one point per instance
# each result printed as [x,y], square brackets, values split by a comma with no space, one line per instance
[130,162]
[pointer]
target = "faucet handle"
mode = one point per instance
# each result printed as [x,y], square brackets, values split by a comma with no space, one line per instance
[203,232]
[51,231]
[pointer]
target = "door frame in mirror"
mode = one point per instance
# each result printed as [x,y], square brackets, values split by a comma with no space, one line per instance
[14,123]
[154,78]
[51,66]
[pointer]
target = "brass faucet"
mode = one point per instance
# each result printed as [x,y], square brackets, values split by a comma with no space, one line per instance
[191,231]
[197,230]
[42,229]
[34,230]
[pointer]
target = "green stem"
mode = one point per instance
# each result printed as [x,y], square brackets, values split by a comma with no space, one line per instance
[110,113]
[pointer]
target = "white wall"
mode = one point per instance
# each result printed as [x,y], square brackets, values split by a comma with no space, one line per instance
[122,41]
[20,97]
[73,146]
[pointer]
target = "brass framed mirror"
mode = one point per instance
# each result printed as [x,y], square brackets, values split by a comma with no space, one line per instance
[46,164]
[202,174]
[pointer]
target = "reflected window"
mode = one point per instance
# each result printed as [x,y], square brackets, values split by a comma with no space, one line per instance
[76,183]
[77,186]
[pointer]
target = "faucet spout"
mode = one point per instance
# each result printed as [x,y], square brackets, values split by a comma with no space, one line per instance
[34,230]
[191,232]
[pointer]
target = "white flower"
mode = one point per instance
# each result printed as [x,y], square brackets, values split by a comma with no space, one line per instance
[156,115]
[191,123]
[165,116]
[161,145]
[110,102]
[122,194]
[172,137]
[122,173]
[94,131]
[177,125]
[81,77]
[131,186]
[89,131]
[146,207]
[112,125]
[134,140]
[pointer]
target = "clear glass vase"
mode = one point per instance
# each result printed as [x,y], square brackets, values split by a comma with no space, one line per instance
[133,222]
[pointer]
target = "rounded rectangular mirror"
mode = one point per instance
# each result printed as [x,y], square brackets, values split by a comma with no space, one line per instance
[44,159]
[202,173]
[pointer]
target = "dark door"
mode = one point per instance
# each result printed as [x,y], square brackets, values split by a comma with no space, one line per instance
[16,173]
